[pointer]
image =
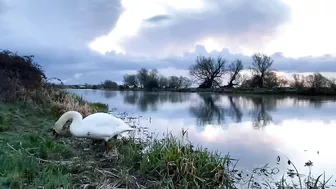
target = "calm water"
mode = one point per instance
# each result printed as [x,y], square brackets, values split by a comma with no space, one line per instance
[253,128]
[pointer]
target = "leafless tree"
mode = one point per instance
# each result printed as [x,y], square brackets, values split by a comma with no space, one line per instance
[270,80]
[299,81]
[208,71]
[131,80]
[282,81]
[260,66]
[316,80]
[234,71]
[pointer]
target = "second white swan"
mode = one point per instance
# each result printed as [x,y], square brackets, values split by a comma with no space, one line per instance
[97,126]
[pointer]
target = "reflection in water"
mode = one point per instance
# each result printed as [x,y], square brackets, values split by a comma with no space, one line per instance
[207,111]
[109,94]
[150,100]
[259,112]
[234,110]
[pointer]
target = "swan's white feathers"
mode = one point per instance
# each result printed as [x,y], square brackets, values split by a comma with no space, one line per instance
[103,119]
[95,126]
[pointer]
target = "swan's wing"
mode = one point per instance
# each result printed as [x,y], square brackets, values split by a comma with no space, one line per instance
[105,131]
[102,120]
[101,132]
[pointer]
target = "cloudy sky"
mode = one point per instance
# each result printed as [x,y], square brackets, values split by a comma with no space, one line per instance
[90,41]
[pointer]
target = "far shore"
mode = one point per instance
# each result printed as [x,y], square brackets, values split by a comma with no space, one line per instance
[262,91]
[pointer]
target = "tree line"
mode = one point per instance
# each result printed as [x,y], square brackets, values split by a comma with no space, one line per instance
[152,79]
[209,72]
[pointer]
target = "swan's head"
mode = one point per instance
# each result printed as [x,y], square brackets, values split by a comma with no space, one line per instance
[58,127]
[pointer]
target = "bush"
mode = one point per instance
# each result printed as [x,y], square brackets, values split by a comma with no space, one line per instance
[24,81]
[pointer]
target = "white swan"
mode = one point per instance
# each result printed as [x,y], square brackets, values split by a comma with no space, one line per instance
[97,126]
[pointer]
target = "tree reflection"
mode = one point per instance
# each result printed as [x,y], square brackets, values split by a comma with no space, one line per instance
[151,100]
[313,101]
[207,111]
[211,111]
[260,110]
[130,97]
[109,94]
[234,110]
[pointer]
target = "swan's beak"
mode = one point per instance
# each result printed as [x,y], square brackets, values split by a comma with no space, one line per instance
[55,133]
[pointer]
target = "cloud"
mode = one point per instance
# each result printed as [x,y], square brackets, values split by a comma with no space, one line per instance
[57,24]
[240,22]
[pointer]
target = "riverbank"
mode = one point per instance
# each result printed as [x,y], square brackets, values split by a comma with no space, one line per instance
[261,91]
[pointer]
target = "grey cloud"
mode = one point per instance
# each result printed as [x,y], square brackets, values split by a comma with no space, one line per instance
[62,23]
[243,21]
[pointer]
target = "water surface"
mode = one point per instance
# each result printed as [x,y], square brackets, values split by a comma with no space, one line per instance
[253,128]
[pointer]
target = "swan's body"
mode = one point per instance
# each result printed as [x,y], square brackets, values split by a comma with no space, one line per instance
[98,126]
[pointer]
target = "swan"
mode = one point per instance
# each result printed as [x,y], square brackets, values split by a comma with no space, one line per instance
[97,126]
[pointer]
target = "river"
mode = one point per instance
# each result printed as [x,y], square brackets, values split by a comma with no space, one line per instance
[255,129]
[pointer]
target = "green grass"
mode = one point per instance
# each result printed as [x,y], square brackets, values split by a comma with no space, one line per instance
[26,150]
[99,107]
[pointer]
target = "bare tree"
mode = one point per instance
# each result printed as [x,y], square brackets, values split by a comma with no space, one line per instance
[299,81]
[208,71]
[260,66]
[142,76]
[316,80]
[271,80]
[234,70]
[163,82]
[184,82]
[332,82]
[282,81]
[131,80]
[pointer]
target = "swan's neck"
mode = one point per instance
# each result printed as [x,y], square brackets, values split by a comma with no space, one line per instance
[76,122]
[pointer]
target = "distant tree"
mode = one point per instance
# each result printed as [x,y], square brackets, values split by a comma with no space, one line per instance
[148,79]
[332,82]
[270,80]
[131,80]
[234,71]
[163,82]
[245,81]
[299,81]
[184,82]
[142,77]
[316,80]
[208,71]
[108,84]
[260,66]
[282,81]
[173,82]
